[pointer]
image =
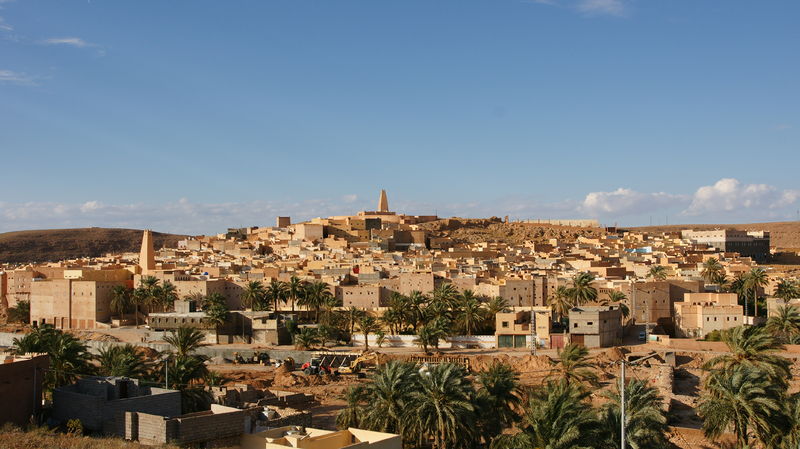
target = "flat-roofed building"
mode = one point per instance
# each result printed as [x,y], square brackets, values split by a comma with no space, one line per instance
[21,387]
[595,326]
[701,313]
[306,437]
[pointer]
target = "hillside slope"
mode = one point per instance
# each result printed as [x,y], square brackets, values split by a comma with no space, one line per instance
[783,234]
[57,244]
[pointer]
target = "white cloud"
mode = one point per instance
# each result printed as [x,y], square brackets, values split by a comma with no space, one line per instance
[623,202]
[603,7]
[728,195]
[4,26]
[11,77]
[351,198]
[69,41]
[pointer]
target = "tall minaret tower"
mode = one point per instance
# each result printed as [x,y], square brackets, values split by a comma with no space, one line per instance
[383,203]
[147,257]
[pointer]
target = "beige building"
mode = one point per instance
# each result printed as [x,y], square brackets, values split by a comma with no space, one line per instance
[72,303]
[595,326]
[308,438]
[701,313]
[513,329]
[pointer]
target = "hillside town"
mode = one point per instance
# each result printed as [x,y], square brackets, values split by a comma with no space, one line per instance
[269,336]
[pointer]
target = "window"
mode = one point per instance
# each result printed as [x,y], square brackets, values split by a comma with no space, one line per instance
[505,324]
[589,323]
[576,325]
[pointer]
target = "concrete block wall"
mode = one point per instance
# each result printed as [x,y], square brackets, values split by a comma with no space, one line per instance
[195,429]
[161,404]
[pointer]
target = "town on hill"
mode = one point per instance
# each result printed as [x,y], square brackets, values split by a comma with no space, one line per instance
[382,329]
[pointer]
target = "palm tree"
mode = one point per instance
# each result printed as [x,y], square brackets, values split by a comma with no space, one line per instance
[185,340]
[582,291]
[754,279]
[751,346]
[441,408]
[317,294]
[558,416]
[277,292]
[21,312]
[561,302]
[658,273]
[469,314]
[416,302]
[617,297]
[787,289]
[306,339]
[69,357]
[645,419]
[120,300]
[519,440]
[744,400]
[253,294]
[712,270]
[350,416]
[122,361]
[498,399]
[295,289]
[393,319]
[574,366]
[494,306]
[388,396]
[186,372]
[167,294]
[368,325]
[216,315]
[429,334]
[353,315]
[446,293]
[785,324]
[147,293]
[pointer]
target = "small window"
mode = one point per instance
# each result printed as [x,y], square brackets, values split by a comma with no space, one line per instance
[505,324]
[576,325]
[589,323]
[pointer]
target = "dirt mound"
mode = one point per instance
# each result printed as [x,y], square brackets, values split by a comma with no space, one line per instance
[148,353]
[610,357]
[95,336]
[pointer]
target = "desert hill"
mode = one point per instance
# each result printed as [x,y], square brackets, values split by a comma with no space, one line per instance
[58,244]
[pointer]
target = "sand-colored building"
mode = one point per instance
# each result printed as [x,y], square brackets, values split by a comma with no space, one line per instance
[309,438]
[513,329]
[72,303]
[701,313]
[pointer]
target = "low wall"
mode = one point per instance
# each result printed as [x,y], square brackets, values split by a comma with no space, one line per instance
[407,341]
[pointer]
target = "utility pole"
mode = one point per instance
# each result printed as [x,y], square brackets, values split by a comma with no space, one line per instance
[533,324]
[623,362]
[166,373]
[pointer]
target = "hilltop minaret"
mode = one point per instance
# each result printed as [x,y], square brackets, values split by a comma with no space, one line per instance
[147,256]
[383,202]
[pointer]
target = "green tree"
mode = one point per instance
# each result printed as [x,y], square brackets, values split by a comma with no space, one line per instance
[122,361]
[754,280]
[446,293]
[557,415]
[368,325]
[306,339]
[754,347]
[317,294]
[712,270]
[187,374]
[388,397]
[658,273]
[498,399]
[574,366]
[469,314]
[787,289]
[253,295]
[645,419]
[295,289]
[167,294]
[429,334]
[216,315]
[185,340]
[353,315]
[745,401]
[561,302]
[441,407]
[350,416]
[785,324]
[277,292]
[21,312]
[582,291]
[121,300]
[69,357]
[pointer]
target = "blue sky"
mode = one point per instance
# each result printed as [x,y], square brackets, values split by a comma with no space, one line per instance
[194,116]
